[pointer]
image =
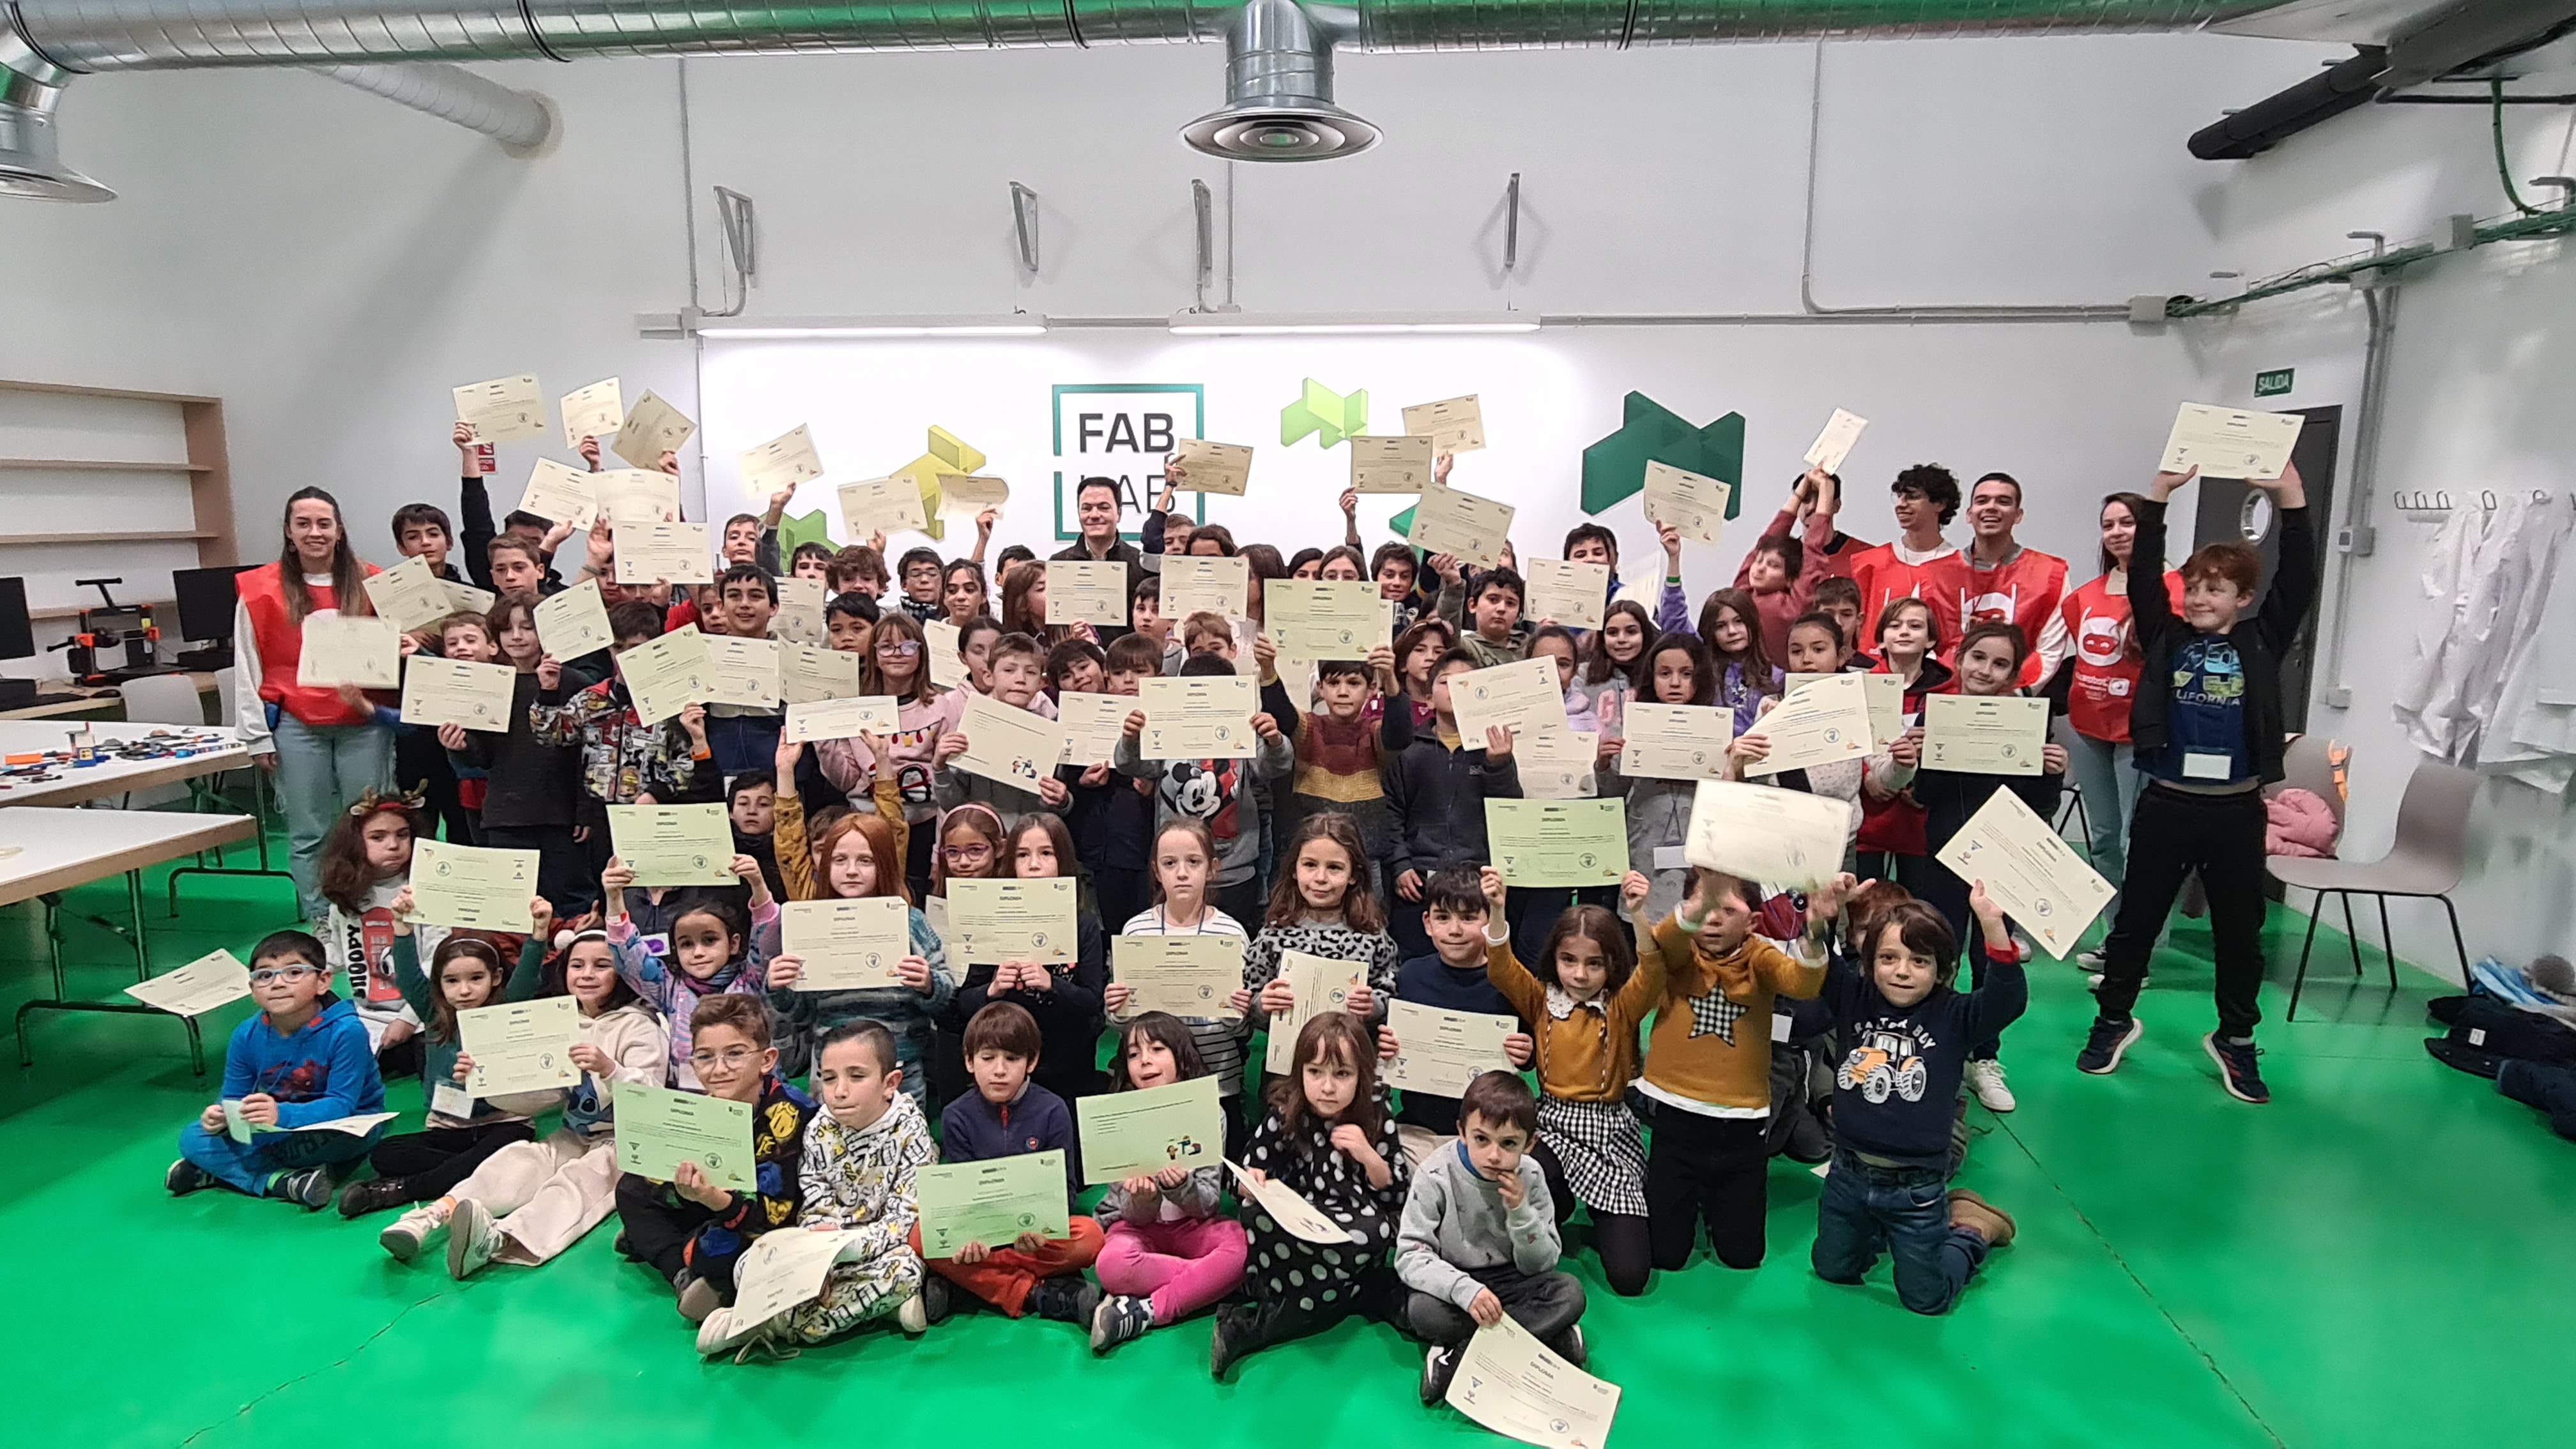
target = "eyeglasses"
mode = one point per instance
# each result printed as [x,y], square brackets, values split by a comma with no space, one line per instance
[966,854]
[898,646]
[730,1060]
[267,975]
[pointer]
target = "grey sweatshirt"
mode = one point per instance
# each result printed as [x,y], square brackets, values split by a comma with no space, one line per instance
[1455,1225]
[1217,794]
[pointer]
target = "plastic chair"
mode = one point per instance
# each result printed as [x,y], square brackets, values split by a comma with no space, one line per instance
[170,699]
[2075,808]
[2426,860]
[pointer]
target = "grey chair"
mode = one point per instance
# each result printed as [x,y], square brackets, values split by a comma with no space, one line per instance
[2426,861]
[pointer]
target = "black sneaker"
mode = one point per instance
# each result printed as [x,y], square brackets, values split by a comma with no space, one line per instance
[1230,1340]
[1439,1366]
[1118,1319]
[1571,1347]
[935,1302]
[2236,1069]
[1065,1298]
[373,1195]
[2108,1042]
[185,1177]
[311,1187]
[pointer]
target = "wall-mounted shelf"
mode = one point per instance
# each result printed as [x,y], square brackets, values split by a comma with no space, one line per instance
[178,535]
[92,465]
[157,605]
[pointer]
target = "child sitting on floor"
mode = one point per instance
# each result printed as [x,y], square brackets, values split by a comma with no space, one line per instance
[302,1060]
[1479,1237]
[1170,1250]
[1906,1033]
[1006,1115]
[863,1150]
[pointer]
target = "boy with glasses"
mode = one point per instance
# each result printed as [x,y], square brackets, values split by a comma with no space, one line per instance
[303,1061]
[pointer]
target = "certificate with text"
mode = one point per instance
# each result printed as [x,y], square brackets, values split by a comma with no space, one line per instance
[1462,524]
[991,1202]
[846,944]
[1082,591]
[211,980]
[503,410]
[652,428]
[666,675]
[1558,764]
[1390,465]
[1518,1387]
[1452,425]
[574,622]
[459,692]
[521,1046]
[842,719]
[1521,696]
[742,671]
[1437,1053]
[1201,717]
[2230,442]
[1558,842]
[2029,870]
[636,495]
[1093,724]
[1204,586]
[1767,834]
[472,887]
[1575,595]
[1320,984]
[882,505]
[1188,976]
[1224,468]
[1140,1133]
[1322,619]
[670,845]
[1674,741]
[1886,696]
[1694,506]
[659,1128]
[811,674]
[662,553]
[1835,443]
[595,411]
[1995,734]
[353,649]
[408,595]
[1823,724]
[779,464]
[1013,920]
[1010,746]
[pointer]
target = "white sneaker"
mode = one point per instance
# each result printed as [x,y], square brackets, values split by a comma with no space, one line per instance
[471,1239]
[718,1333]
[2094,960]
[913,1316]
[405,1236]
[1986,1079]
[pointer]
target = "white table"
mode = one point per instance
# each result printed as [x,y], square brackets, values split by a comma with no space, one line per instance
[72,784]
[45,852]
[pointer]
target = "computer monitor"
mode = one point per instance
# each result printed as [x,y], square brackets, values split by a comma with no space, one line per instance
[205,598]
[17,631]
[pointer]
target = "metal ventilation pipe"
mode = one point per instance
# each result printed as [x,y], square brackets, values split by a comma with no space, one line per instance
[30,88]
[1279,88]
[524,122]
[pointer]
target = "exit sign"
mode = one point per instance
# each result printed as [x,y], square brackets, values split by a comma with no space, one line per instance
[2274,384]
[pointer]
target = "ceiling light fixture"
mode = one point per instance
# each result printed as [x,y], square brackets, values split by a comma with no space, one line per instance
[798,329]
[1327,324]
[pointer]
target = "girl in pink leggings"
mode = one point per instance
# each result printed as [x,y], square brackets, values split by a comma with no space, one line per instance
[1171,1250]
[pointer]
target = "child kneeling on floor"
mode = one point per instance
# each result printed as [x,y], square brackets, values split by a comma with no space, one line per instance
[863,1152]
[1006,1115]
[1906,1034]
[303,1060]
[1479,1237]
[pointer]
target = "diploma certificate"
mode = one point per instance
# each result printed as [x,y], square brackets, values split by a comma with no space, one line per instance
[1013,920]
[1822,724]
[1995,734]
[503,410]
[1886,696]
[636,495]
[521,1046]
[459,692]
[1437,1053]
[1188,976]
[779,464]
[1202,717]
[882,505]
[1453,425]
[1390,465]
[666,675]
[217,978]
[471,887]
[408,595]
[662,553]
[1080,591]
[668,845]
[659,1128]
[1216,467]
[742,671]
[991,1202]
[590,412]
[1521,696]
[1573,594]
[2230,443]
[1093,724]
[1321,985]
[846,944]
[1516,1386]
[1835,443]
[653,428]
[1204,586]
[841,719]
[354,649]
[1138,1134]
[1462,524]
[1558,842]
[2029,870]
[1694,506]
[1763,833]
[574,622]
[1674,741]
[1015,747]
[1320,619]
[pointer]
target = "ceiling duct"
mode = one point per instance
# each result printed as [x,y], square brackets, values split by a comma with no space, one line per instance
[1279,52]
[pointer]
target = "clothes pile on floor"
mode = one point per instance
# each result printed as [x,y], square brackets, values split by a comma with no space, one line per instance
[2517,1025]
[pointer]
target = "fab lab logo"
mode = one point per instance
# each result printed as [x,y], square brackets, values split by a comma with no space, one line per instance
[1121,431]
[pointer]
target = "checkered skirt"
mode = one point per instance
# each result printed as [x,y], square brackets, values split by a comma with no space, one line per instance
[1601,1149]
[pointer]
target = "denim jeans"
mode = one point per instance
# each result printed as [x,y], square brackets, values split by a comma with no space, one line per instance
[245,1167]
[1907,1212]
[320,770]
[2110,786]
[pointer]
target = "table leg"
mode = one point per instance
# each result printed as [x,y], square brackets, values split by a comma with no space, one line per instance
[259,819]
[59,1000]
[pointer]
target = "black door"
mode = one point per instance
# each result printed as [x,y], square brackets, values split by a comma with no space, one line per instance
[2230,509]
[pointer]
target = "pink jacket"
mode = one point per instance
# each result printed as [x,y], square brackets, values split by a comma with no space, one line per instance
[2300,824]
[1782,609]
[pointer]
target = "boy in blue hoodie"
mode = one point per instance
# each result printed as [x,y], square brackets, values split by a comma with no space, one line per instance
[1461,922]
[1006,1115]
[303,1061]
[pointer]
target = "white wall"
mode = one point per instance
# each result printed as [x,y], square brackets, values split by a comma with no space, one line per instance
[331,264]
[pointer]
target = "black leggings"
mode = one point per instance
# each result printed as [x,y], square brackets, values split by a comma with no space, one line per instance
[435,1159]
[1621,1239]
[1711,1169]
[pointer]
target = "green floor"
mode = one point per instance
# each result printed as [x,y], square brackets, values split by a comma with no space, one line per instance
[2380,1257]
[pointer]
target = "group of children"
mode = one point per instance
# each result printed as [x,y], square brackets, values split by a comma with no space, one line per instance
[1354,832]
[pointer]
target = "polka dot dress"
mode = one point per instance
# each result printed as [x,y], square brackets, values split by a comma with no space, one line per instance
[1313,1278]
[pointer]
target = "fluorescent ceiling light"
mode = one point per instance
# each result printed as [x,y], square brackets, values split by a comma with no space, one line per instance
[1322,324]
[783,329]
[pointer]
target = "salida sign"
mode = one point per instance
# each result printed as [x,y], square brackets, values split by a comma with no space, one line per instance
[1121,431]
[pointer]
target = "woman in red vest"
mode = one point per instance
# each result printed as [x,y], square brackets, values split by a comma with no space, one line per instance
[322,743]
[2104,660]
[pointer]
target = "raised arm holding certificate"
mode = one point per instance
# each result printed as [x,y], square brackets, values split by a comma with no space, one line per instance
[459,692]
[636,495]
[1767,834]
[471,888]
[2029,870]
[782,462]
[1011,746]
[1518,1387]
[658,1129]
[1575,595]
[218,978]
[666,675]
[1886,696]
[662,553]
[520,1046]
[1558,842]
[1439,1052]
[841,719]
[1092,725]
[503,410]
[1472,528]
[1322,619]
[409,595]
[651,429]
[1137,1134]
[1204,586]
[353,649]
[574,622]
[2230,443]
[1835,443]
[1994,734]
[1318,984]
[742,671]
[1675,741]
[672,845]
[1693,506]
[1199,718]
[1451,425]
[846,944]
[1216,467]
[1184,975]
[1013,920]
[1079,591]
[991,1202]
[1521,696]
[1390,465]
[589,412]
[1826,722]
[882,505]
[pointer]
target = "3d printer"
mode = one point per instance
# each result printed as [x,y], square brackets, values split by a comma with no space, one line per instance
[105,630]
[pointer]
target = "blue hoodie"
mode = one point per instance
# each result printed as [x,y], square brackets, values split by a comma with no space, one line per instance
[322,1070]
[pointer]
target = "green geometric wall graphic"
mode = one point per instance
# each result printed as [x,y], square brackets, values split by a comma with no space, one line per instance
[1402,524]
[1329,415]
[1614,469]
[794,533]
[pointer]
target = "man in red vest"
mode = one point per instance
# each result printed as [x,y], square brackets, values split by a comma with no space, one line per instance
[2010,583]
[1920,563]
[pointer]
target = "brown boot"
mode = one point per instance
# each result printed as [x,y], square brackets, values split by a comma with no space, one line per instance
[1967,1210]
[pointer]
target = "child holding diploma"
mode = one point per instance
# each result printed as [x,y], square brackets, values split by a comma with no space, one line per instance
[1730,626]
[1342,754]
[1435,793]
[691,1231]
[1891,842]
[1008,1114]
[302,1059]
[1677,672]
[1905,1033]
[1588,994]
[1219,793]
[1479,1238]
[1169,1250]
[863,1149]
[364,865]
[1112,815]
[1064,998]
[531,1200]
[1321,906]
[1019,673]
[531,786]
[1708,1068]
[1184,857]
[1614,665]
[1462,920]
[1990,662]
[623,760]
[716,949]
[1329,1136]
[1780,572]
[897,666]
[461,1129]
